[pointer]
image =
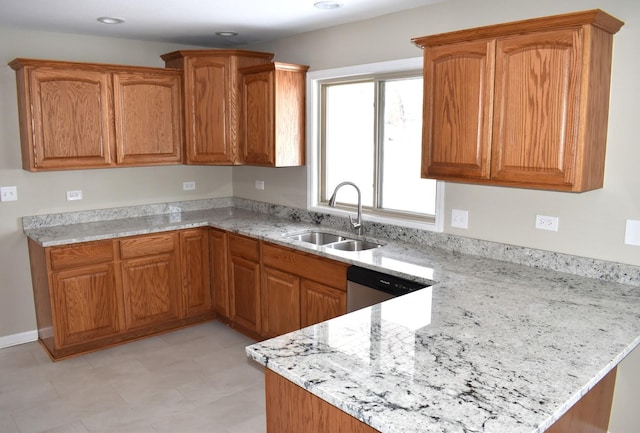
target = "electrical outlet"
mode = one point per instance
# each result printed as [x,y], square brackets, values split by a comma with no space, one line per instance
[259,184]
[74,195]
[8,193]
[460,218]
[544,222]
[188,186]
[632,233]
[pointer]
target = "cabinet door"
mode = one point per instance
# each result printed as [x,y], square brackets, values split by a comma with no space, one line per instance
[244,286]
[86,303]
[458,98]
[57,136]
[280,298]
[210,137]
[320,302]
[148,117]
[258,118]
[219,270]
[194,250]
[536,107]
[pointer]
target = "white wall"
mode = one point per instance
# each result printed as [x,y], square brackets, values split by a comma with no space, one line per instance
[44,193]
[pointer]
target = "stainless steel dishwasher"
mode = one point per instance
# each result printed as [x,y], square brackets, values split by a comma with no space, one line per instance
[366,287]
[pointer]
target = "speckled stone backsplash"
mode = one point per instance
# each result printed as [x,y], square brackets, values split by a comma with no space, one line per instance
[582,266]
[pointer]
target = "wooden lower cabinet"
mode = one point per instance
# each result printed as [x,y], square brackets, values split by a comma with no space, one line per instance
[244,283]
[94,295]
[194,267]
[219,270]
[319,302]
[299,289]
[86,304]
[280,299]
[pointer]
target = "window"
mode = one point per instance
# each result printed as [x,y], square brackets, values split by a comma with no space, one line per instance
[367,129]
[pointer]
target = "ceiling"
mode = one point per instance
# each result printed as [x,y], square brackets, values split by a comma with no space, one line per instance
[193,22]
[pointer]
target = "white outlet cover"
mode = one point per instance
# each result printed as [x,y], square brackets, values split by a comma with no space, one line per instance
[259,184]
[460,218]
[632,233]
[74,195]
[544,222]
[188,186]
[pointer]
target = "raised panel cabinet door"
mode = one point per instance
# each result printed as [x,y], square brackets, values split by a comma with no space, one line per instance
[151,290]
[280,300]
[458,98]
[538,79]
[86,303]
[244,287]
[148,117]
[218,253]
[319,302]
[210,137]
[258,107]
[67,119]
[194,248]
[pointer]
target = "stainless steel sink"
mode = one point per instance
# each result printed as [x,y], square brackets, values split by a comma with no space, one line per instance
[353,245]
[333,241]
[317,238]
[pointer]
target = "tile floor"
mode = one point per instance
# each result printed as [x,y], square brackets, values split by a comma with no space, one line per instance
[195,380]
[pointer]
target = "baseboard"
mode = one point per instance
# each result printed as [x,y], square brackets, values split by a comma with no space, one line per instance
[20,338]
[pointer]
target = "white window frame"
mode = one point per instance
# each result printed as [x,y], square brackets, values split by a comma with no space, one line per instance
[314,79]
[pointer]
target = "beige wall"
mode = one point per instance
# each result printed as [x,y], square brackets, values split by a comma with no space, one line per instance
[42,193]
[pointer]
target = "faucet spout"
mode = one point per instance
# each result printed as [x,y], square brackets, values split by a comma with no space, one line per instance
[357,224]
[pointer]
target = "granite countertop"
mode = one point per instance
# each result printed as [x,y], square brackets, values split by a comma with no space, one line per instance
[491,347]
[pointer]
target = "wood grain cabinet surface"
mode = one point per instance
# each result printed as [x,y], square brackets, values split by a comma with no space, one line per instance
[212,102]
[219,272]
[85,115]
[521,104]
[244,284]
[273,114]
[93,295]
[300,289]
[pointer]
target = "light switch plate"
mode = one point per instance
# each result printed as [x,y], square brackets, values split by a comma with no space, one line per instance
[460,218]
[8,193]
[632,233]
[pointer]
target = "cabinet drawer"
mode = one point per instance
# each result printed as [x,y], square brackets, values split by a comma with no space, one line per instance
[89,253]
[147,245]
[241,246]
[308,266]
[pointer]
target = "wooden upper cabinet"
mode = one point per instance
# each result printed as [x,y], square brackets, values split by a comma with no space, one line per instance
[53,135]
[521,104]
[148,117]
[85,115]
[212,105]
[273,114]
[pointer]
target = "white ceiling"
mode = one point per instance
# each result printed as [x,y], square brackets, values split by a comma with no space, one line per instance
[193,22]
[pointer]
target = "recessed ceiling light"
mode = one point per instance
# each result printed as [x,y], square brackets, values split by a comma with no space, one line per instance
[111,20]
[227,34]
[327,5]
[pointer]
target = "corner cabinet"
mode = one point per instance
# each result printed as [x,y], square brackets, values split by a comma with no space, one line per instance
[522,104]
[212,102]
[85,115]
[273,114]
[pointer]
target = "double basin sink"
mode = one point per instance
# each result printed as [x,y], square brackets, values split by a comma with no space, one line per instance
[333,241]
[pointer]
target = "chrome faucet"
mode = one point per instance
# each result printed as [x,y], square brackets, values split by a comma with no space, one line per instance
[355,225]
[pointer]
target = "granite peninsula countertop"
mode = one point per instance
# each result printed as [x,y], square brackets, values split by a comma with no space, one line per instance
[491,347]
